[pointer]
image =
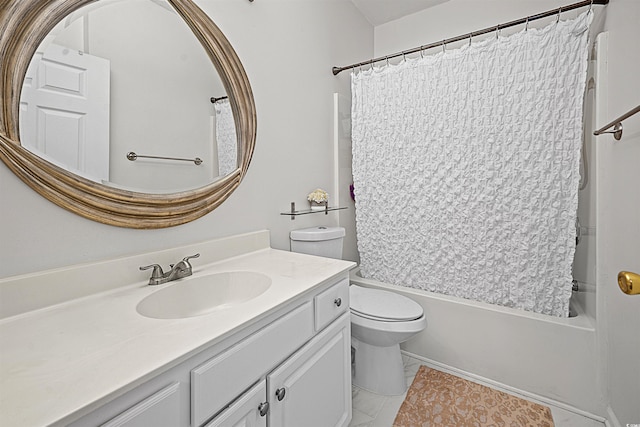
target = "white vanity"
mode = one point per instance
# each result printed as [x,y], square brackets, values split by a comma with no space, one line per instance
[85,356]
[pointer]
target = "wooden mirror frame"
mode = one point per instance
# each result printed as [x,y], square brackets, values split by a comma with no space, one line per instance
[23,26]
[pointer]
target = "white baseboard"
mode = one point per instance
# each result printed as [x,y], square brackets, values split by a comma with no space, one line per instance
[512,390]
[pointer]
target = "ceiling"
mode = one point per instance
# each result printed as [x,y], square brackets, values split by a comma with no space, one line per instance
[379,12]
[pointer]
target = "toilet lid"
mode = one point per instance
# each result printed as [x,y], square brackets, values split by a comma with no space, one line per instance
[383,305]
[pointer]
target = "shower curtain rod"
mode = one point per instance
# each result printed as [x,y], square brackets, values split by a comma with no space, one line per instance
[499,27]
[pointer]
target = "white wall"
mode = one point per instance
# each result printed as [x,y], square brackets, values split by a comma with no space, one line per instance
[618,200]
[456,17]
[584,264]
[287,48]
[161,85]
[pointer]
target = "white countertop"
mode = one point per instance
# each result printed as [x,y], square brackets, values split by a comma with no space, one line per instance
[57,360]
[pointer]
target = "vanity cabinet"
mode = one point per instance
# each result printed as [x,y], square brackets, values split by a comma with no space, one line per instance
[312,388]
[224,377]
[291,368]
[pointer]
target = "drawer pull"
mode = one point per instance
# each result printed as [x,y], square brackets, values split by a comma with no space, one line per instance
[338,302]
[280,393]
[263,408]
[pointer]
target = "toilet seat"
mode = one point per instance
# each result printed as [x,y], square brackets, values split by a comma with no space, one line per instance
[376,304]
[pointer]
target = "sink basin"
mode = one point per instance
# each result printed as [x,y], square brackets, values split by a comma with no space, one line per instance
[200,295]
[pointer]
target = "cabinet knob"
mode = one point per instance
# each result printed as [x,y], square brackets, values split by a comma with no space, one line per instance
[337,302]
[280,393]
[263,408]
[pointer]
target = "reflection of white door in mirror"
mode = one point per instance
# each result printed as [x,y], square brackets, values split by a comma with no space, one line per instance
[64,115]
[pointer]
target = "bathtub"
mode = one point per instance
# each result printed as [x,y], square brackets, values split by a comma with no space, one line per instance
[549,358]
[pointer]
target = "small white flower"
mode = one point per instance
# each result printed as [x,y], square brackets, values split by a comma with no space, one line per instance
[318,196]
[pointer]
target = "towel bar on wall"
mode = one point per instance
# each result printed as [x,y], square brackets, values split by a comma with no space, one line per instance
[133,156]
[616,125]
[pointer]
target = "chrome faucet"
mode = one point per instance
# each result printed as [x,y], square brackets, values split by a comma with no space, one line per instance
[178,271]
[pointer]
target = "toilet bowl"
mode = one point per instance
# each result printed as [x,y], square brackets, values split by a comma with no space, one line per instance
[380,321]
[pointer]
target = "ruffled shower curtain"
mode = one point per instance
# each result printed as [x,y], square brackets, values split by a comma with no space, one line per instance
[226,138]
[466,168]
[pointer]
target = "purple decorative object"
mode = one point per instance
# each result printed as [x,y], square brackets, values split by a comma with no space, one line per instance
[353,195]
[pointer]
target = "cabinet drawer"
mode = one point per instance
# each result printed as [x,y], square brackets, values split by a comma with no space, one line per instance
[161,408]
[331,303]
[217,382]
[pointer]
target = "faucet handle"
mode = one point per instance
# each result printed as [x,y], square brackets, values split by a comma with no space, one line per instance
[187,258]
[157,270]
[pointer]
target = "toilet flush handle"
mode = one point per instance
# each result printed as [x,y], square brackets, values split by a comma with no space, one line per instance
[337,302]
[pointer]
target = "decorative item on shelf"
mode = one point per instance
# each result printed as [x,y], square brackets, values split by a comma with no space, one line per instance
[319,199]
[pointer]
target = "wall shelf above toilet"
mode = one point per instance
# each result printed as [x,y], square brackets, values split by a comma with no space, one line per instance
[293,212]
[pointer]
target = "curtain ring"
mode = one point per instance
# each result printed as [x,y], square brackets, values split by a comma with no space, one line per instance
[387,58]
[443,46]
[558,18]
[590,5]
[470,39]
[404,57]
[497,31]
[526,27]
[422,52]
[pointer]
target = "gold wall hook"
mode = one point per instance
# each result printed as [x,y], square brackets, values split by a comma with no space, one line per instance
[629,282]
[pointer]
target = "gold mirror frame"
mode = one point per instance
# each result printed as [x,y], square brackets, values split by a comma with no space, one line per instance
[23,26]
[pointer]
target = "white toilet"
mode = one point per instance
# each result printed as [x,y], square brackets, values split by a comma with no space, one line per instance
[380,320]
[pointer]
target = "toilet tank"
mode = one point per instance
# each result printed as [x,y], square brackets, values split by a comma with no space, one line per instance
[321,241]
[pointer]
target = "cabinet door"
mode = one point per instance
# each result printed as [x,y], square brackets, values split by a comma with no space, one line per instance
[246,411]
[313,387]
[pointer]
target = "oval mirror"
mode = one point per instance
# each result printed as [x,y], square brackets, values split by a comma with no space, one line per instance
[142,129]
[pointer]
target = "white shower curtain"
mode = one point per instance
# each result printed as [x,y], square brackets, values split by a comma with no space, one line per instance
[466,168]
[226,138]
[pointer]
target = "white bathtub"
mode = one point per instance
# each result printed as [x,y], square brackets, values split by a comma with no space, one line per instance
[537,355]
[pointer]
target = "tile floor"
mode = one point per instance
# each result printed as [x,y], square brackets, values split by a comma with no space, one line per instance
[372,410]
